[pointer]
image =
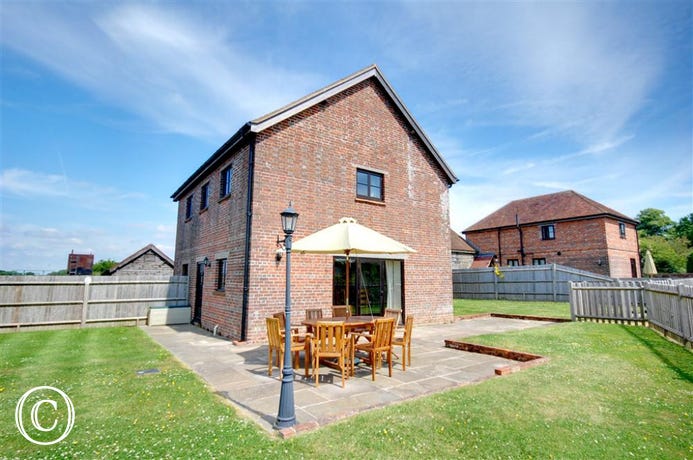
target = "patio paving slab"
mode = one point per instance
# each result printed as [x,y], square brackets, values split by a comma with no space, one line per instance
[239,372]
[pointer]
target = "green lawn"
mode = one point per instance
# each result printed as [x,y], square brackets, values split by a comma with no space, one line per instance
[514,307]
[607,391]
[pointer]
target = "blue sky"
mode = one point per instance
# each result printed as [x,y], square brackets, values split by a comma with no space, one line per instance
[107,107]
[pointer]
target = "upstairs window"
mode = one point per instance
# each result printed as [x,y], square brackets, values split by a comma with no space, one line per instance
[189,207]
[622,229]
[369,185]
[204,197]
[225,182]
[548,232]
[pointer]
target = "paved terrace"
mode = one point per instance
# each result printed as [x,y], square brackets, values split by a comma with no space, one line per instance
[239,372]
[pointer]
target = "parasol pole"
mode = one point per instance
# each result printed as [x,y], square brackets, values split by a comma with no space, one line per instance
[347,251]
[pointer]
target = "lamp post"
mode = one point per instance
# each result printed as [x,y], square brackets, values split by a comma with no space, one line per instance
[287,414]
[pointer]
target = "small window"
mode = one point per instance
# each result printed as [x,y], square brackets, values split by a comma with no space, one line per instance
[184,270]
[539,261]
[548,232]
[513,263]
[221,274]
[225,182]
[204,197]
[369,185]
[622,229]
[188,207]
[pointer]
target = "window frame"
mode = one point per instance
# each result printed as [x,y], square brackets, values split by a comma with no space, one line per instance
[548,232]
[512,262]
[226,181]
[539,261]
[204,196]
[222,271]
[369,185]
[189,206]
[622,229]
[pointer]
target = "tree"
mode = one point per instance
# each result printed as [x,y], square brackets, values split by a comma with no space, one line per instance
[684,228]
[669,254]
[102,266]
[653,222]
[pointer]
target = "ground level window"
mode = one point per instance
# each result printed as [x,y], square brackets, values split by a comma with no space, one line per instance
[513,263]
[539,261]
[221,274]
[184,270]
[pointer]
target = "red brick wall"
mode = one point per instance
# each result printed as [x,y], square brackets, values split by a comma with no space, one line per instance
[311,159]
[582,244]
[217,231]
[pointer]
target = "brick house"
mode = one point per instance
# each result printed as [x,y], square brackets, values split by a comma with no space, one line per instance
[563,228]
[351,149]
[148,261]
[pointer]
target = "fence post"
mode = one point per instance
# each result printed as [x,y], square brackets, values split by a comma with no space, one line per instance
[495,284]
[573,300]
[553,282]
[85,300]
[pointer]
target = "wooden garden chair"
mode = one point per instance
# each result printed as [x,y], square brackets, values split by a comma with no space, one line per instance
[329,341]
[340,311]
[404,341]
[380,343]
[275,340]
[313,313]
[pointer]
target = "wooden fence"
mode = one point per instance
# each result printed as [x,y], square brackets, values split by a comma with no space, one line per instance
[666,304]
[531,282]
[31,301]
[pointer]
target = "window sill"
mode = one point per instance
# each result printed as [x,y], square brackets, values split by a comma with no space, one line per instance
[367,201]
[204,210]
[219,291]
[224,198]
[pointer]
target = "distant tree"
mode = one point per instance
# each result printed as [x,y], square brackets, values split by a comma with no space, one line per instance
[14,273]
[62,272]
[669,254]
[684,228]
[103,265]
[653,222]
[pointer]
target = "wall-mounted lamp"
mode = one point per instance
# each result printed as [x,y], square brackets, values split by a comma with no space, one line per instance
[600,262]
[278,254]
[206,262]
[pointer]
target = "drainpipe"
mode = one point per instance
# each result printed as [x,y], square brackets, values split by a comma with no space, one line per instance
[248,229]
[522,244]
[500,250]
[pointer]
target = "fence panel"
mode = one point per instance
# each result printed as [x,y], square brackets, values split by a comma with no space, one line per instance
[65,300]
[660,303]
[533,282]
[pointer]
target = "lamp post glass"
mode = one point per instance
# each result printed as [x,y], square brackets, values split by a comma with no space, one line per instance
[287,413]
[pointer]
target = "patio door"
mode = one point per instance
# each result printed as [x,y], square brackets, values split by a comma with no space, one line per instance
[374,285]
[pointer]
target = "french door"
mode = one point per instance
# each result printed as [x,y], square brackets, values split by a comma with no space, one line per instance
[374,284]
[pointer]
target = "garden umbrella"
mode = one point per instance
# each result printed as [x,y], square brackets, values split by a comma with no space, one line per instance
[649,267]
[349,237]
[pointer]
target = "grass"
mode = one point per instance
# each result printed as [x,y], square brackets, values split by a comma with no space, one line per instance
[513,307]
[607,391]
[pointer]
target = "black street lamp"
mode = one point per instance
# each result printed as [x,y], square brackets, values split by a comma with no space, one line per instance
[287,414]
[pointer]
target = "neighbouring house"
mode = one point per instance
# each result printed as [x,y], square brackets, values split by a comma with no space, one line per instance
[563,228]
[80,264]
[148,261]
[351,149]
[462,252]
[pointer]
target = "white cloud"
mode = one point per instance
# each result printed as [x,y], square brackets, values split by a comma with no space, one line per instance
[181,73]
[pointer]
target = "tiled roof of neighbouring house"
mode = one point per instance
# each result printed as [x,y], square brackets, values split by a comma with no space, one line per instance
[459,244]
[553,207]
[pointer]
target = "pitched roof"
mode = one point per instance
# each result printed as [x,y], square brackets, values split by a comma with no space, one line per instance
[266,121]
[459,244]
[566,205]
[138,254]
